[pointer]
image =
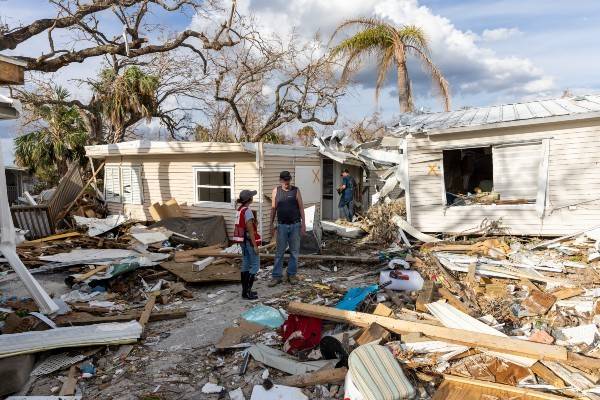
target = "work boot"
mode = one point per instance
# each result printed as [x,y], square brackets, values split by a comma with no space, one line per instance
[251,294]
[274,282]
[244,276]
[292,279]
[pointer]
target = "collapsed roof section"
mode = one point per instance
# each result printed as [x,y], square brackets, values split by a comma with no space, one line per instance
[372,156]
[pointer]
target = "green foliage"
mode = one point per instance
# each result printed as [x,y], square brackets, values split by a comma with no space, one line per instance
[47,151]
[127,98]
[391,45]
[275,138]
[305,135]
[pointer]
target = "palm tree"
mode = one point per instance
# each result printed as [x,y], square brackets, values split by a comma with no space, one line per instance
[390,44]
[59,139]
[126,98]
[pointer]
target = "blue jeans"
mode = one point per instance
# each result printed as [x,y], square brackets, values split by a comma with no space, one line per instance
[347,210]
[250,259]
[287,235]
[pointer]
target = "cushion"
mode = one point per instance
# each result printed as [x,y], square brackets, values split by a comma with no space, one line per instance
[377,374]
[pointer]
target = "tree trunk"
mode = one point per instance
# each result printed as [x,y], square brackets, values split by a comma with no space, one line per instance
[404,90]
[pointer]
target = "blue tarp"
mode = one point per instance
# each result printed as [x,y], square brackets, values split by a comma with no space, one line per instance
[355,296]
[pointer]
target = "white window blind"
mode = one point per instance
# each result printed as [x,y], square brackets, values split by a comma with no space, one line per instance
[132,184]
[516,170]
[112,184]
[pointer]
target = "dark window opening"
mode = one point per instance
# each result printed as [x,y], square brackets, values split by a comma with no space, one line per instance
[468,175]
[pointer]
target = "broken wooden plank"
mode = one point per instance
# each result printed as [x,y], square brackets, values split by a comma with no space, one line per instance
[195,254]
[88,274]
[76,319]
[314,257]
[374,332]
[224,272]
[496,388]
[460,336]
[454,301]
[567,293]
[547,375]
[58,236]
[68,388]
[383,310]
[322,377]
[425,295]
[145,317]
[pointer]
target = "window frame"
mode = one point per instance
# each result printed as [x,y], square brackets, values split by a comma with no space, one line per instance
[529,206]
[214,168]
[135,169]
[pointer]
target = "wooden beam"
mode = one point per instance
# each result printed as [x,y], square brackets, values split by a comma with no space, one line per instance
[145,317]
[454,301]
[323,377]
[567,293]
[372,333]
[547,375]
[468,338]
[528,393]
[90,273]
[425,295]
[11,74]
[316,257]
[59,236]
[68,388]
[87,319]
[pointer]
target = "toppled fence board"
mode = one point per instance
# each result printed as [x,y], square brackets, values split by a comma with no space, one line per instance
[223,272]
[77,336]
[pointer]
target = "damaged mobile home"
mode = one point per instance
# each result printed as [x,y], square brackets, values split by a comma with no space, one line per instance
[205,177]
[532,166]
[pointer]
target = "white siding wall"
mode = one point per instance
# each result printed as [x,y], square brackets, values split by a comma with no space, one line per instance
[573,177]
[172,176]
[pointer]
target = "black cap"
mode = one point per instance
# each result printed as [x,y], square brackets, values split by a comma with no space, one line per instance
[246,195]
[285,175]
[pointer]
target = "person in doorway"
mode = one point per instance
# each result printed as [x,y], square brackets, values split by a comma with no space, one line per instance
[346,191]
[246,234]
[286,204]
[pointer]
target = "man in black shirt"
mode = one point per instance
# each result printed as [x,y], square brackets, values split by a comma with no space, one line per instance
[286,204]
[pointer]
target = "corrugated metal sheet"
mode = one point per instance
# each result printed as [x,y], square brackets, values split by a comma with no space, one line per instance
[35,219]
[577,106]
[67,190]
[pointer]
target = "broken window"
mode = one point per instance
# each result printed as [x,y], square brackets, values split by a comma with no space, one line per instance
[214,184]
[499,174]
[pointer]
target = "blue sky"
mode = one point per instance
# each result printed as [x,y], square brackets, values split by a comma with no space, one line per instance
[490,51]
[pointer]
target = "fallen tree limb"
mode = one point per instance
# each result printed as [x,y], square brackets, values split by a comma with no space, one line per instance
[468,338]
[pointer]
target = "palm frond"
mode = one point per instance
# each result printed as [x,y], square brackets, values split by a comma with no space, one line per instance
[415,36]
[436,75]
[383,66]
[363,22]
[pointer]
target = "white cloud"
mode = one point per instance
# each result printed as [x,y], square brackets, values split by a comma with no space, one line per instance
[469,66]
[494,35]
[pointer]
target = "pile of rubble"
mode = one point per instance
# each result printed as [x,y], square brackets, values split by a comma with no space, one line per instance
[154,312]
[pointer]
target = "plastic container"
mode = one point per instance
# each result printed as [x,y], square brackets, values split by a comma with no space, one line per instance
[412,280]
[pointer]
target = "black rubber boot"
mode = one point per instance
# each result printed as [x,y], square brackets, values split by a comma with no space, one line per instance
[249,292]
[244,275]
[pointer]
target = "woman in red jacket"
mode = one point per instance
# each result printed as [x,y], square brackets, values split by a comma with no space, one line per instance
[246,234]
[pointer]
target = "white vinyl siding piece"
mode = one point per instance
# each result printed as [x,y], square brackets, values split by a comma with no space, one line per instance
[75,336]
[516,170]
[112,184]
[131,178]
[213,186]
[542,185]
